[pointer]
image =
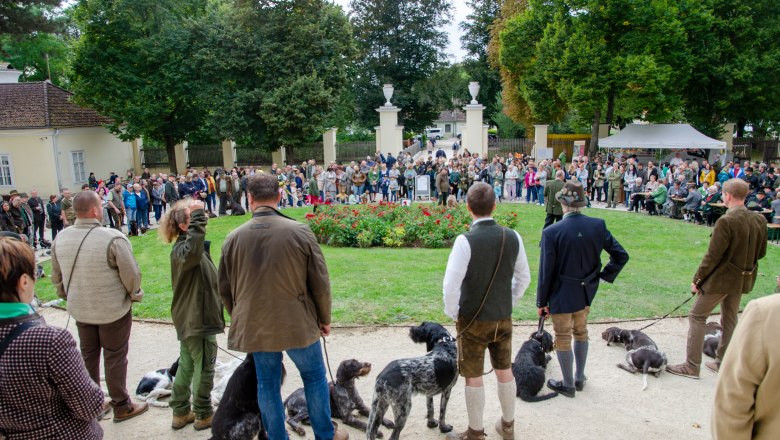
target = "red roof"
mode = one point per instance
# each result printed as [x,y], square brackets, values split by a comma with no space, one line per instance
[43,105]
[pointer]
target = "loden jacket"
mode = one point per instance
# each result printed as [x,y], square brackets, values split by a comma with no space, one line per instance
[274,284]
[196,309]
[731,263]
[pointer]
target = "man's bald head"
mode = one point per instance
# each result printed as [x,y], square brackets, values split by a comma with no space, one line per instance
[85,203]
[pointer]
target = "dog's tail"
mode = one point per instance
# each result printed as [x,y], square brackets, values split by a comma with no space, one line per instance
[529,398]
[645,368]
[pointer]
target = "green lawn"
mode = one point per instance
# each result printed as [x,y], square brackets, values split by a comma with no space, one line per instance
[389,286]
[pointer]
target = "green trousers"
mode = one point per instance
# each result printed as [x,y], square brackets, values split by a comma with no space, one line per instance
[612,195]
[195,377]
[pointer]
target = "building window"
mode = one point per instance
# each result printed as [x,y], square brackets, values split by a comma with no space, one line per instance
[79,170]
[448,128]
[6,179]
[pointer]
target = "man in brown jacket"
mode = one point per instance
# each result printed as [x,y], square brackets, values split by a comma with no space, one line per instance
[274,284]
[727,271]
[443,185]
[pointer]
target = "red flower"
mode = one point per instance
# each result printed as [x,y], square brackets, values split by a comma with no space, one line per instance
[515,214]
[310,216]
[355,212]
[354,225]
[438,221]
[426,213]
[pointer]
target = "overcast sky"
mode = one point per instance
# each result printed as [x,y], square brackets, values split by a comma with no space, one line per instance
[459,12]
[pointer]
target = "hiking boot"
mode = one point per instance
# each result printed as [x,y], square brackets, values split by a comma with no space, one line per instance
[683,370]
[713,366]
[557,385]
[129,411]
[201,424]
[469,434]
[182,421]
[340,435]
[579,385]
[505,429]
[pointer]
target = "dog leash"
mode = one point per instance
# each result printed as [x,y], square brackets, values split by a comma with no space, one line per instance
[667,315]
[327,358]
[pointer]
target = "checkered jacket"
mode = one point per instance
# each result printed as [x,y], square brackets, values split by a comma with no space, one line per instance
[45,391]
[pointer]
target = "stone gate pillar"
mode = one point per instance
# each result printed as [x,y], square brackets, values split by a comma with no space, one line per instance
[329,145]
[228,154]
[540,143]
[389,135]
[474,138]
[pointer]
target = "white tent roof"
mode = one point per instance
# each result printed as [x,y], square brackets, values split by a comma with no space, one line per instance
[669,136]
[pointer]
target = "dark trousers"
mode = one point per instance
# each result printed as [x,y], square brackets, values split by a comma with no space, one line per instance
[116,219]
[550,219]
[56,226]
[112,339]
[38,229]
[443,198]
[223,203]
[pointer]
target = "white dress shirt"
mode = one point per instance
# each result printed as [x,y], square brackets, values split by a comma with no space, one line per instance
[458,263]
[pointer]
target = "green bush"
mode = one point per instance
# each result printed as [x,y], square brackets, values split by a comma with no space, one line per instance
[393,225]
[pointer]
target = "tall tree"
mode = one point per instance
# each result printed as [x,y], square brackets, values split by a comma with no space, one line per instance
[133,65]
[274,73]
[475,40]
[26,16]
[399,42]
[38,56]
[597,57]
[735,77]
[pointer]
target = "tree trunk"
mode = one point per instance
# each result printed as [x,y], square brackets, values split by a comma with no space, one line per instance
[741,127]
[170,149]
[594,134]
[610,107]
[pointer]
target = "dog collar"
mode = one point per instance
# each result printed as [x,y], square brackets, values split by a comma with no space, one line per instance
[446,339]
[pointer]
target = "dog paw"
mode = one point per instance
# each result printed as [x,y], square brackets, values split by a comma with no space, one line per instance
[300,431]
[389,424]
[433,423]
[445,428]
[379,434]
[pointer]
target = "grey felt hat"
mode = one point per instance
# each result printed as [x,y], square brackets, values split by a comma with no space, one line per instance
[572,195]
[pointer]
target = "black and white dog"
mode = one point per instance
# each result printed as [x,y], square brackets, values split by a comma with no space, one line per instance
[643,354]
[712,339]
[156,384]
[530,365]
[238,414]
[432,374]
[344,399]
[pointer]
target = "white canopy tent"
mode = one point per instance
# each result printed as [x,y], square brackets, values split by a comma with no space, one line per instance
[661,136]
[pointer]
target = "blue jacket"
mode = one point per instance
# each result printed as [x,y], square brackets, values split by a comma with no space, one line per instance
[142,200]
[130,199]
[570,263]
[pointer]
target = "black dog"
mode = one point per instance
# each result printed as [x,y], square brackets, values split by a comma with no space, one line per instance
[238,414]
[529,367]
[712,339]
[643,353]
[156,384]
[629,338]
[432,374]
[344,399]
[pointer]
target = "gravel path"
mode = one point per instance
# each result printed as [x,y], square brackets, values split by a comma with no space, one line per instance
[612,405]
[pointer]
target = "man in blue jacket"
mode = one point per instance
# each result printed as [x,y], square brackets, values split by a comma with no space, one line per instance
[569,274]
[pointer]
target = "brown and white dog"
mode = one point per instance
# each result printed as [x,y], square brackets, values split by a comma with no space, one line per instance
[643,354]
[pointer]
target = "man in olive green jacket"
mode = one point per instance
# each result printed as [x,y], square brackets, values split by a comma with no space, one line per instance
[274,283]
[553,207]
[727,271]
[613,178]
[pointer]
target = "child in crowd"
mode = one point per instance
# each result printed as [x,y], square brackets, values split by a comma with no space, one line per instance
[497,190]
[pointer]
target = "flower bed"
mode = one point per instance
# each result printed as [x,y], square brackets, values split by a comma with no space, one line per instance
[393,225]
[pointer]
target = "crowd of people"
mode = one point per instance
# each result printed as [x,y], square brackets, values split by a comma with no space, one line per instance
[685,189]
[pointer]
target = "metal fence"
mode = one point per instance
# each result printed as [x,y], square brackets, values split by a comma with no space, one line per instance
[301,153]
[156,157]
[204,155]
[356,150]
[506,147]
[766,148]
[251,155]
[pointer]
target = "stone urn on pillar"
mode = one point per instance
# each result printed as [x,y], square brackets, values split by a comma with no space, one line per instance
[474,91]
[388,90]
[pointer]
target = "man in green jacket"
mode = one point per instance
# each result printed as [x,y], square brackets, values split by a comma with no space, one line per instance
[657,197]
[727,271]
[613,177]
[553,207]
